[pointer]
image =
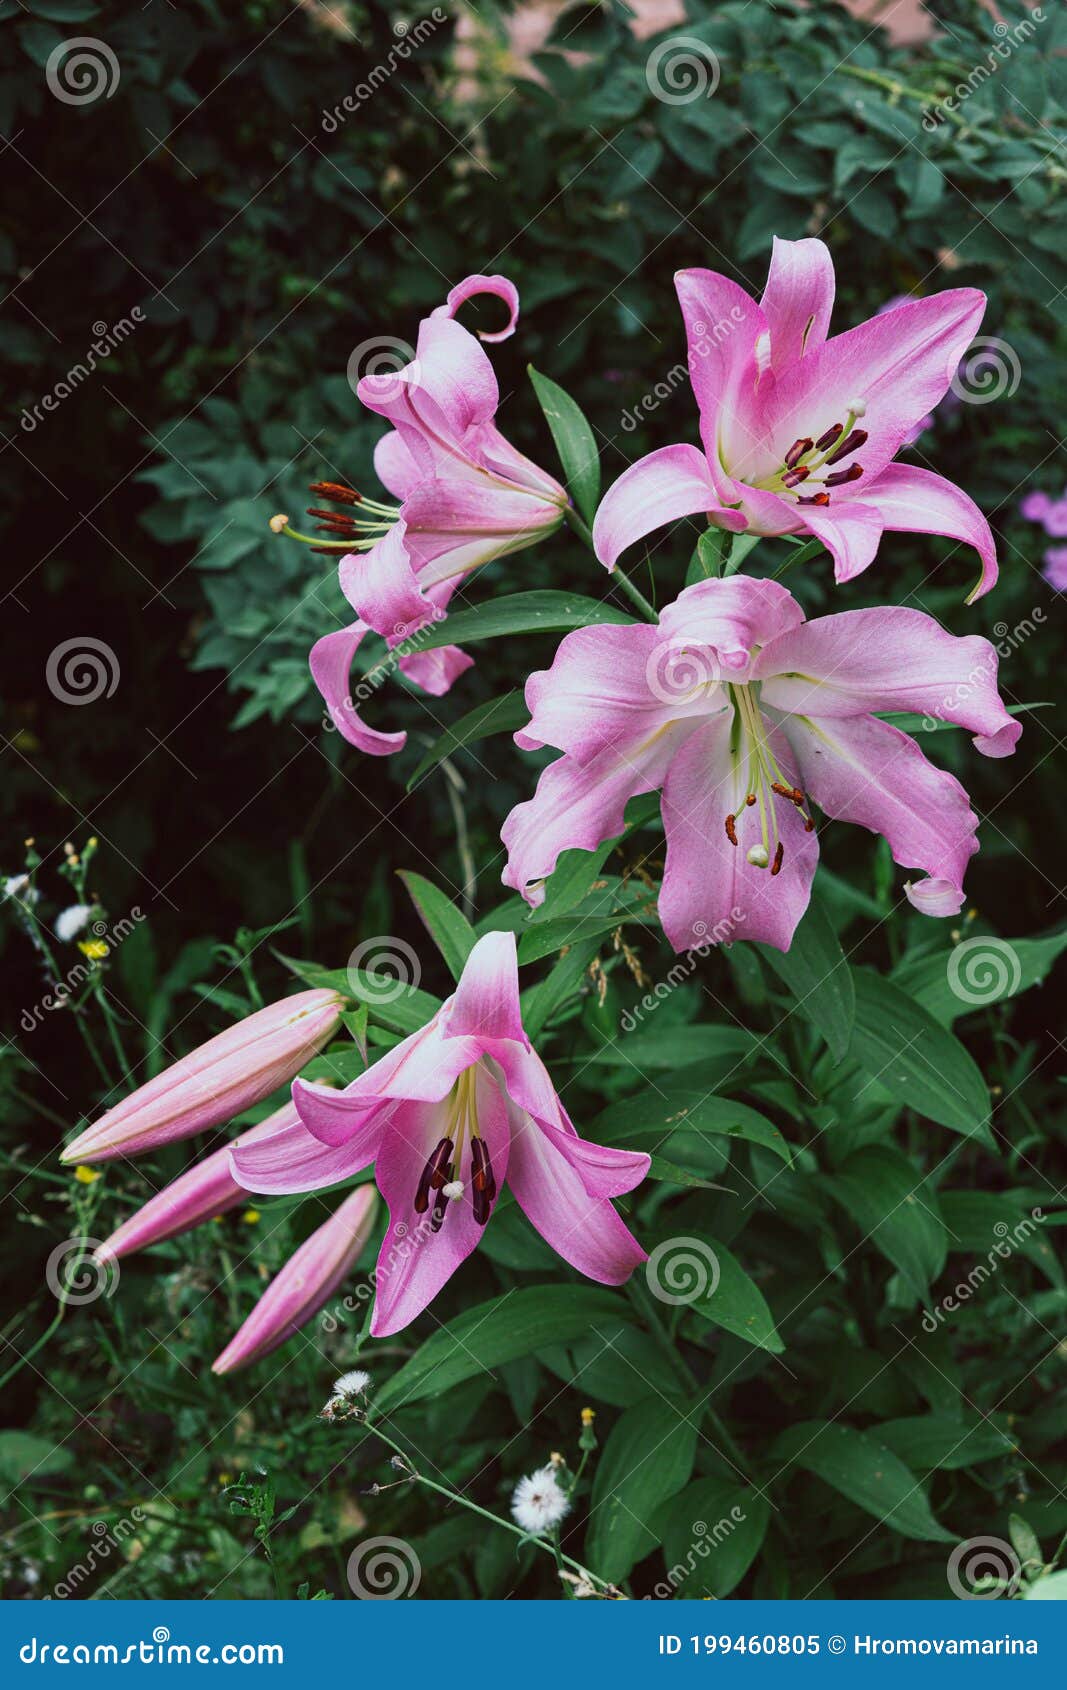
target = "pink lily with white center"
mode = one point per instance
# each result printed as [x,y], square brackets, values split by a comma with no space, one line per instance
[742,712]
[466,498]
[800,430]
[446,1117]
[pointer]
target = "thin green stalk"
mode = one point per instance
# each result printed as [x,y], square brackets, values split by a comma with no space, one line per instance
[800,554]
[637,598]
[494,1519]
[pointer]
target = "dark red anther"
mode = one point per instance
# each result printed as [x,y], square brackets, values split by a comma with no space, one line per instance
[440,1208]
[778,855]
[337,517]
[793,477]
[751,799]
[797,451]
[434,1175]
[731,831]
[851,444]
[839,477]
[816,499]
[337,492]
[483,1185]
[828,438]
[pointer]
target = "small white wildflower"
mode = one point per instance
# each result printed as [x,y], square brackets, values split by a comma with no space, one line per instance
[538,1503]
[69,922]
[18,886]
[351,1384]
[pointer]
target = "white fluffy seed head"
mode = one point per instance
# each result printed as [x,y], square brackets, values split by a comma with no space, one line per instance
[351,1384]
[69,922]
[538,1503]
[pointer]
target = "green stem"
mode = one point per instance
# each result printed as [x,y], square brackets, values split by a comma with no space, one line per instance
[636,597]
[494,1519]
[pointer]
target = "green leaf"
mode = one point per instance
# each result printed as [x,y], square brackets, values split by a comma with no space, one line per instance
[1051,1588]
[501,1330]
[892,1206]
[732,1299]
[673,1047]
[400,1008]
[540,1002]
[867,1472]
[496,716]
[978,972]
[448,927]
[25,1457]
[995,1226]
[815,970]
[575,442]
[656,1114]
[648,1456]
[539,612]
[1026,1544]
[925,1441]
[711,1534]
[912,1059]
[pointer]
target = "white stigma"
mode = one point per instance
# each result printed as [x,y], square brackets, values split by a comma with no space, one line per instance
[758,856]
[453,1190]
[858,407]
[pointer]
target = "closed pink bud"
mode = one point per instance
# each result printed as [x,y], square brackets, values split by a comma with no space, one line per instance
[211,1085]
[201,1194]
[307,1281]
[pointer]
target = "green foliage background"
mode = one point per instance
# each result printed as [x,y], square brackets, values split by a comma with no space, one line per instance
[264,247]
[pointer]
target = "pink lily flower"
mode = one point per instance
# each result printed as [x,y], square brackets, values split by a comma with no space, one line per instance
[203,1193]
[306,1282]
[740,711]
[214,1083]
[800,430]
[467,497]
[446,1117]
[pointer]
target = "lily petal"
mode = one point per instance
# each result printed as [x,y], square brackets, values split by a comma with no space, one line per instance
[861,770]
[293,1159]
[485,1004]
[576,805]
[330,661]
[470,287]
[415,1261]
[723,325]
[711,893]
[850,531]
[911,500]
[597,693]
[934,897]
[860,662]
[550,1188]
[798,299]
[666,485]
